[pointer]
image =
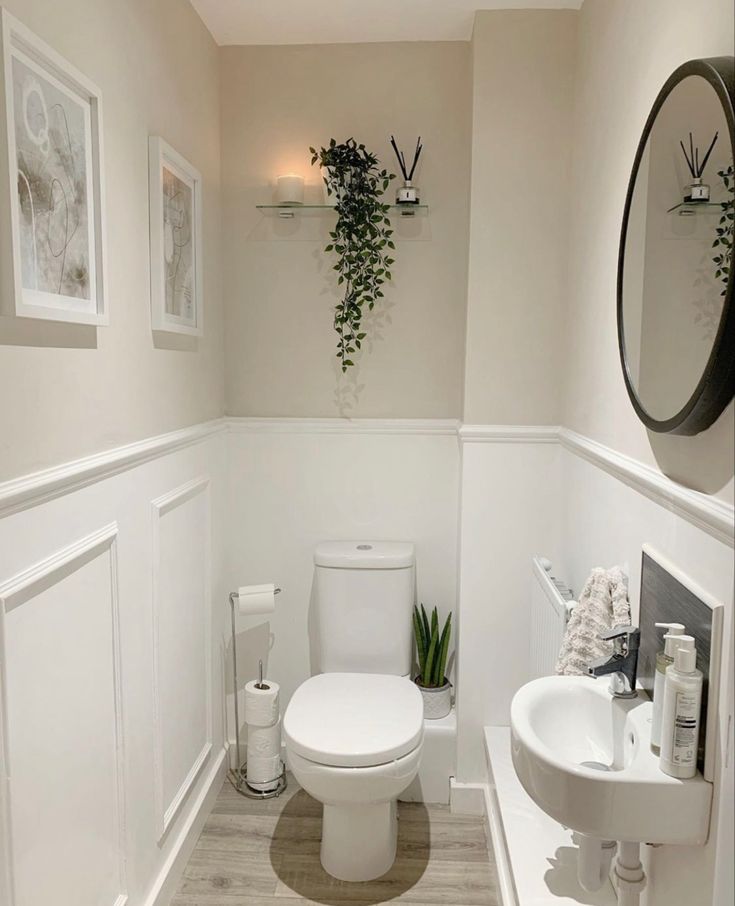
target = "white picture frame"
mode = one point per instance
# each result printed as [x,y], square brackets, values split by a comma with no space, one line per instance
[52,238]
[175,193]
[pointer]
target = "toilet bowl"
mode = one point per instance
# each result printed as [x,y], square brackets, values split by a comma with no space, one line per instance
[353,742]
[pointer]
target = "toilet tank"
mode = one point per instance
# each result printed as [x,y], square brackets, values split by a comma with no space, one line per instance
[364,599]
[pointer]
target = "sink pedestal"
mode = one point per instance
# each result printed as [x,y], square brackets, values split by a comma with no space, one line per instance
[593,861]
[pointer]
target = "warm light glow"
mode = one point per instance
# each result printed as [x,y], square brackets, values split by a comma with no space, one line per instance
[290,189]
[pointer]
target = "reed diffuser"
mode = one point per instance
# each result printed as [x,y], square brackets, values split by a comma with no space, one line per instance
[697,190]
[407,193]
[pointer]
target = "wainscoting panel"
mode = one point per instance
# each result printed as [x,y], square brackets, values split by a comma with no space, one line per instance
[62,728]
[295,482]
[510,511]
[111,698]
[607,520]
[181,643]
[275,487]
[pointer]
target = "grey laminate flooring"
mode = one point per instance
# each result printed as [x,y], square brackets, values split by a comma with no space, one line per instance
[267,854]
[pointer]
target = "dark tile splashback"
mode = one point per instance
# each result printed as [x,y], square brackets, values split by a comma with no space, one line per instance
[665,600]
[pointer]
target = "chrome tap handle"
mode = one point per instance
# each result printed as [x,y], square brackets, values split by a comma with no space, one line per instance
[624,638]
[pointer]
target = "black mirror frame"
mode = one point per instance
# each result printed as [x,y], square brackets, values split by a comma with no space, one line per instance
[716,387]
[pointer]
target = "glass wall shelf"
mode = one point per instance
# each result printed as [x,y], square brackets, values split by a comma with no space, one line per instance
[290,211]
[692,208]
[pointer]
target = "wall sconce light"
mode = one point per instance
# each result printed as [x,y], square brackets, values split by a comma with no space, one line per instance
[290,190]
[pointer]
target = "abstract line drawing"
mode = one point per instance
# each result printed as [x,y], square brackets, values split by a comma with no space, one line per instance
[178,254]
[175,236]
[53,203]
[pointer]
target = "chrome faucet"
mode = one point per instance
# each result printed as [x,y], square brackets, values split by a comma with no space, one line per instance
[622,666]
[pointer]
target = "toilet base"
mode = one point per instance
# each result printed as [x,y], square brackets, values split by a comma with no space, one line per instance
[359,841]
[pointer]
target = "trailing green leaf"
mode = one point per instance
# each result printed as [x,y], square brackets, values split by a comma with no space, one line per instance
[353,175]
[725,230]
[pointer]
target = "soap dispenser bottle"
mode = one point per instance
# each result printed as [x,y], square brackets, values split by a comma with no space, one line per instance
[664,659]
[682,706]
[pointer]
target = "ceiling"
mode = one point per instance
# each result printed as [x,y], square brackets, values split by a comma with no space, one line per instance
[350,21]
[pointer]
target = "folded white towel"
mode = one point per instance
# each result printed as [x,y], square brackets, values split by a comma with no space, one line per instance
[602,604]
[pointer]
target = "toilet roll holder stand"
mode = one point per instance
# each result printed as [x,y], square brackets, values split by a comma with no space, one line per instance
[238,776]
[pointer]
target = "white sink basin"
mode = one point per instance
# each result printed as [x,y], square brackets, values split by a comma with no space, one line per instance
[585,758]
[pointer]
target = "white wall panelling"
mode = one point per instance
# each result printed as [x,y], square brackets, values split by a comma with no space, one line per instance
[607,521]
[167,879]
[61,700]
[294,482]
[182,662]
[59,659]
[275,487]
[583,505]
[711,514]
[38,487]
[509,511]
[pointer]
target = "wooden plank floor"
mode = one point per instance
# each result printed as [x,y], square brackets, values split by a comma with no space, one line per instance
[267,854]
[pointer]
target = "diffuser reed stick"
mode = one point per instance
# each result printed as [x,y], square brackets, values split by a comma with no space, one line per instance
[692,158]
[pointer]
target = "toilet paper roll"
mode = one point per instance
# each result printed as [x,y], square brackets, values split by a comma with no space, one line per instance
[263,771]
[265,742]
[261,705]
[256,599]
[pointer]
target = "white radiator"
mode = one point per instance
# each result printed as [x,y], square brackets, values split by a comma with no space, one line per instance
[551,604]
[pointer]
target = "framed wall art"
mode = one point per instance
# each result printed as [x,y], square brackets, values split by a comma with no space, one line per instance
[52,203]
[176,241]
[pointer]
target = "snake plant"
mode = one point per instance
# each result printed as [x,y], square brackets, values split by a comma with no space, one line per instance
[433,647]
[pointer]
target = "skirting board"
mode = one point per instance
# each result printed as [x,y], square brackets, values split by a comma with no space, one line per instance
[467,798]
[167,882]
[480,799]
[498,844]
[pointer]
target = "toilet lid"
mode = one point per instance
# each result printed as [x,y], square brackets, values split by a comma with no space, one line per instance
[354,719]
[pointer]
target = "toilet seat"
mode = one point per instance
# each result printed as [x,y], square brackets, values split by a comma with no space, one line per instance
[354,719]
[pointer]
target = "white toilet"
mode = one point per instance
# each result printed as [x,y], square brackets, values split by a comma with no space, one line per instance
[354,733]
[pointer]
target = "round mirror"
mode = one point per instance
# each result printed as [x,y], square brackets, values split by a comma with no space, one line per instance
[676,324]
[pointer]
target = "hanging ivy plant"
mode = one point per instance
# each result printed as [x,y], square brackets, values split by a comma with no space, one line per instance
[361,238]
[724,240]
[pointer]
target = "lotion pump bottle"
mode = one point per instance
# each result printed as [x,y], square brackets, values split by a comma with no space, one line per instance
[682,706]
[664,659]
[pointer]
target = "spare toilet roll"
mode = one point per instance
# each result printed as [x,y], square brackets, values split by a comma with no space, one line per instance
[265,741]
[261,705]
[263,771]
[256,599]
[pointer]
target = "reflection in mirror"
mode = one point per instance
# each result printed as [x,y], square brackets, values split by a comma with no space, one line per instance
[674,281]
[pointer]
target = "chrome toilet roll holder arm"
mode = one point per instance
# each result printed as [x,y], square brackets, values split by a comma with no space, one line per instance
[238,776]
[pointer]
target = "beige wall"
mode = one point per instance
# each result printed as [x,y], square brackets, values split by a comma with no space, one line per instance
[627,50]
[523,64]
[67,391]
[279,290]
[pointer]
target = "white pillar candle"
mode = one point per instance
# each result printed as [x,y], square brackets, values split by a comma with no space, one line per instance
[290,190]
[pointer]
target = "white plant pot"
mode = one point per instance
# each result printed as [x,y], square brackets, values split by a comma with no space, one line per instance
[437,701]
